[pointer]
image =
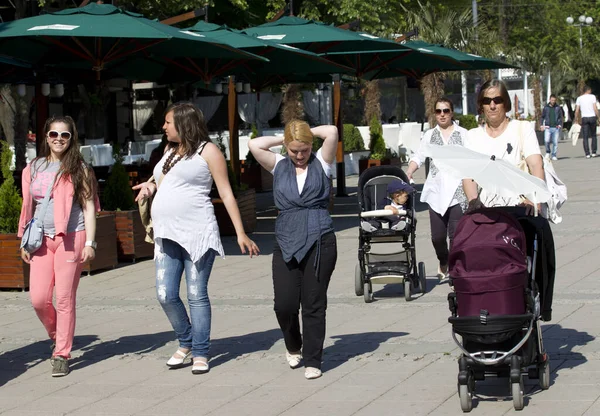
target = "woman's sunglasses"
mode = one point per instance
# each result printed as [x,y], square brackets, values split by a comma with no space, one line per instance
[488,100]
[64,135]
[442,110]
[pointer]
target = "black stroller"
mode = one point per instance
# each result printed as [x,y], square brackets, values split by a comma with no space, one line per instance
[399,266]
[504,344]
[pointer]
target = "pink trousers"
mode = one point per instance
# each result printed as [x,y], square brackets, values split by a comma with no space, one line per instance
[57,264]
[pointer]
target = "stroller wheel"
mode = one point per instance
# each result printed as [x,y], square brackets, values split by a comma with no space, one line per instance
[517,394]
[407,289]
[422,278]
[466,398]
[544,374]
[358,280]
[368,292]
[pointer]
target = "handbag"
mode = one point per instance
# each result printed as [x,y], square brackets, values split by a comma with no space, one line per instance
[33,235]
[556,187]
[145,206]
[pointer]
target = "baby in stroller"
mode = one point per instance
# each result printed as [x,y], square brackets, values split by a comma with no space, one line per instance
[398,193]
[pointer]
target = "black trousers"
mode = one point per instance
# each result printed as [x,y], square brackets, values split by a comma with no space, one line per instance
[442,229]
[298,284]
[588,129]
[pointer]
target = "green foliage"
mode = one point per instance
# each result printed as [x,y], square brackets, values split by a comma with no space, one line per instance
[317,143]
[353,141]
[467,121]
[377,144]
[10,200]
[118,195]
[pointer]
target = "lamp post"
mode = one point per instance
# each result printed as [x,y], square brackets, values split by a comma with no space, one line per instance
[583,21]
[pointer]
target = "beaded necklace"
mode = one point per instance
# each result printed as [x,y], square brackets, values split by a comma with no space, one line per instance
[170,162]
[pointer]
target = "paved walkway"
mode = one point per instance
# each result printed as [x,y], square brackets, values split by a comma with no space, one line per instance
[386,358]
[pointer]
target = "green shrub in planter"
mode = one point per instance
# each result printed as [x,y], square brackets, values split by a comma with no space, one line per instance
[10,200]
[377,144]
[118,195]
[467,121]
[353,141]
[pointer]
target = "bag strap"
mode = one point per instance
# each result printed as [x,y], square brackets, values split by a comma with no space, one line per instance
[42,211]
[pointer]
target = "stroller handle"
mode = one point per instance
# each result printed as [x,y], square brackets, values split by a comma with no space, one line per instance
[381,213]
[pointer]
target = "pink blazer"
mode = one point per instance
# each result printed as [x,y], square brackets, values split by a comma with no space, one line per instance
[63,202]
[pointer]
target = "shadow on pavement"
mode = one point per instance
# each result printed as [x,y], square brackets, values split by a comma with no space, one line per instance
[133,344]
[226,349]
[13,363]
[348,346]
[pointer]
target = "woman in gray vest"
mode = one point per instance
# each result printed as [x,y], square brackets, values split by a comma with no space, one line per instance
[305,250]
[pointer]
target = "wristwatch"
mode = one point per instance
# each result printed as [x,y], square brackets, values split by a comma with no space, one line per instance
[91,244]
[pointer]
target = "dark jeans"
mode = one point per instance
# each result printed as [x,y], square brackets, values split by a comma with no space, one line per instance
[588,129]
[442,229]
[297,283]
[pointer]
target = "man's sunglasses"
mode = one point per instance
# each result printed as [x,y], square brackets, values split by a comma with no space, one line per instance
[65,135]
[442,110]
[497,100]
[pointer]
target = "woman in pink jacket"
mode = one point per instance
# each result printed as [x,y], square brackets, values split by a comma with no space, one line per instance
[69,230]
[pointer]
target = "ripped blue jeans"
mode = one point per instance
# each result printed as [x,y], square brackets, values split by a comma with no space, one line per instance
[171,260]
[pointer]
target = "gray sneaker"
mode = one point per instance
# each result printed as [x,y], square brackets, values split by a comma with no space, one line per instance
[60,367]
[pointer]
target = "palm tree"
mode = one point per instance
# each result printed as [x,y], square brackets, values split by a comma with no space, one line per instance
[451,29]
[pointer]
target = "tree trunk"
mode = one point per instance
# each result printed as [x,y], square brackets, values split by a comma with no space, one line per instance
[432,87]
[292,109]
[372,97]
[94,111]
[537,102]
[14,118]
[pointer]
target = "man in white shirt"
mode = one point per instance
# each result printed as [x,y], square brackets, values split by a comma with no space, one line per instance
[587,111]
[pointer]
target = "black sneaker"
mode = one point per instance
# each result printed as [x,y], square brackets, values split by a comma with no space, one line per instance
[60,367]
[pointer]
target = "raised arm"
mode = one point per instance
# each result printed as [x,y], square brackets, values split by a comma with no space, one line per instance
[329,134]
[260,146]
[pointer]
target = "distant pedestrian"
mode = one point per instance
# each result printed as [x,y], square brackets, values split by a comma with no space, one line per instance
[69,224]
[305,250]
[552,122]
[587,111]
[186,233]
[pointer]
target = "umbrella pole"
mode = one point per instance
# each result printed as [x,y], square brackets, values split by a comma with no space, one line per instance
[41,115]
[337,120]
[234,144]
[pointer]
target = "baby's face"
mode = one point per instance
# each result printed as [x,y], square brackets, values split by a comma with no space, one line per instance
[400,198]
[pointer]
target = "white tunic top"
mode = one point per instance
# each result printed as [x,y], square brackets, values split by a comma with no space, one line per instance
[479,141]
[440,189]
[182,210]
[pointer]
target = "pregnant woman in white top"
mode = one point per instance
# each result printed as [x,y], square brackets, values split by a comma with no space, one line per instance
[186,233]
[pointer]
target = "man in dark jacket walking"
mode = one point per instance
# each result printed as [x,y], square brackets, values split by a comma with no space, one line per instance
[552,122]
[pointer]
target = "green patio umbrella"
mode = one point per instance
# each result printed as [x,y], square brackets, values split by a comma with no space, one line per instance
[439,59]
[100,37]
[285,64]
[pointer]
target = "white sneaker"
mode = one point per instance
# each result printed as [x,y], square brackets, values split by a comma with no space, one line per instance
[401,225]
[311,373]
[594,155]
[547,156]
[587,156]
[554,158]
[367,226]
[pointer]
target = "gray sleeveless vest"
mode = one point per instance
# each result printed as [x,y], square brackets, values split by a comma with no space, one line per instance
[303,218]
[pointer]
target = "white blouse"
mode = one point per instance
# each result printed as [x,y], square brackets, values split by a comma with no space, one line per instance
[301,179]
[182,210]
[440,189]
[507,146]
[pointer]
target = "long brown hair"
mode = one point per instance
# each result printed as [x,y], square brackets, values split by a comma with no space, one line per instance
[190,125]
[72,165]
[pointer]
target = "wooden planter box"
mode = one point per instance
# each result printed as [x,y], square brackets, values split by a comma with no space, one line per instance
[14,272]
[130,236]
[255,176]
[106,237]
[246,201]
[364,164]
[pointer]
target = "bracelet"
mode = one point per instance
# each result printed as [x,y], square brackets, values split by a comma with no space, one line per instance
[92,244]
